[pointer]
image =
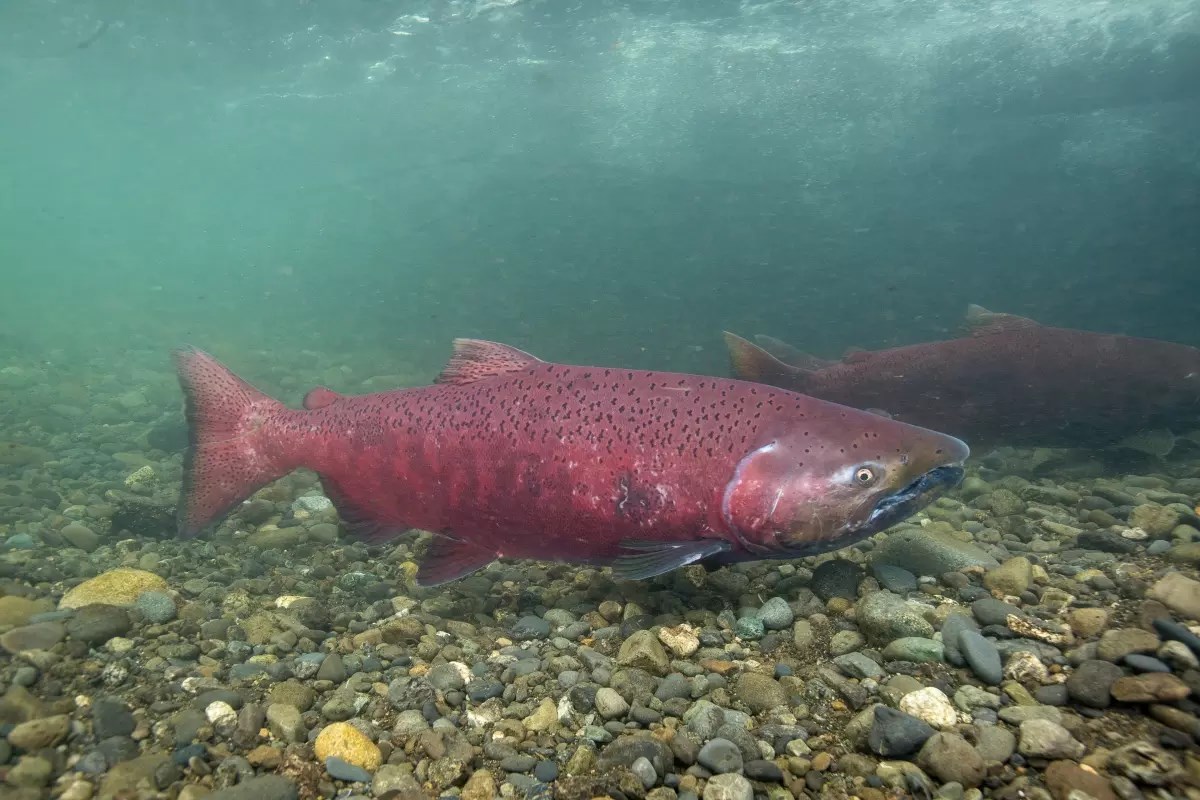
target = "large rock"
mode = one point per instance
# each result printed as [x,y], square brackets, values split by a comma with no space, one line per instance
[117,587]
[883,617]
[930,552]
[643,651]
[1179,593]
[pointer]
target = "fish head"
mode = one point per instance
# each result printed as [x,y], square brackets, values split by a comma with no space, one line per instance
[834,478]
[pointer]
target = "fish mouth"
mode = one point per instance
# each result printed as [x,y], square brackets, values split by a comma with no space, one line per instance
[900,505]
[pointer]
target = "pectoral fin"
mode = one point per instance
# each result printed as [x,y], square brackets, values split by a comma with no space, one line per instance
[648,559]
[450,559]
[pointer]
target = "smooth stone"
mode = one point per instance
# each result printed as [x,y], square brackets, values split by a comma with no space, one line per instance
[894,733]
[982,656]
[720,756]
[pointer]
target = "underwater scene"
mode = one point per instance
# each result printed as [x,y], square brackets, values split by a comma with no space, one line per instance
[673,400]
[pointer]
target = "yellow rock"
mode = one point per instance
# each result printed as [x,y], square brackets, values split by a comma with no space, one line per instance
[118,587]
[544,717]
[480,786]
[344,741]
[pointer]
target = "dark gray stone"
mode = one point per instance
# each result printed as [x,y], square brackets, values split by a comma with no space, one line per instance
[720,756]
[894,733]
[982,656]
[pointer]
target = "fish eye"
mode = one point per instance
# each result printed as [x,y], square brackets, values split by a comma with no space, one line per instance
[865,476]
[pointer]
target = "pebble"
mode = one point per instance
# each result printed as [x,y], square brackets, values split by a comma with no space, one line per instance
[950,758]
[117,587]
[263,787]
[884,617]
[720,756]
[895,733]
[895,579]
[982,656]
[610,704]
[930,705]
[1091,683]
[776,614]
[644,770]
[345,771]
[728,787]
[157,607]
[342,740]
[1041,738]
[836,577]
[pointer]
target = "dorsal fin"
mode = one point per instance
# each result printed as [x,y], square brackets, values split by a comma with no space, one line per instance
[980,321]
[855,355]
[475,359]
[791,355]
[319,397]
[753,363]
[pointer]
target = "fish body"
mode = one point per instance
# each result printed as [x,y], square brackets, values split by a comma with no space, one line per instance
[507,456]
[1011,381]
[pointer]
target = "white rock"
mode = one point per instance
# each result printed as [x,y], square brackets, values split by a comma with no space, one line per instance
[931,706]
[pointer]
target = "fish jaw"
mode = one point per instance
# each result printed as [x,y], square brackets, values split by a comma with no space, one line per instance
[792,497]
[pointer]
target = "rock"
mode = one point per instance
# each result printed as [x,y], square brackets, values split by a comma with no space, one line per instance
[1064,777]
[1179,593]
[530,627]
[720,756]
[147,517]
[996,744]
[775,614]
[1152,687]
[625,750]
[930,705]
[857,665]
[96,624]
[16,611]
[990,611]
[1158,521]
[343,771]
[950,758]
[1041,738]
[544,717]
[610,704]
[759,692]
[1005,503]
[681,640]
[261,787]
[1012,577]
[883,617]
[37,734]
[285,723]
[952,630]
[1144,763]
[480,786]
[914,648]
[895,734]
[81,536]
[343,740]
[110,717]
[38,636]
[930,552]
[749,628]
[1087,622]
[118,587]
[728,787]
[643,651]
[982,656]
[836,578]
[895,579]
[157,607]
[1114,645]
[1091,683]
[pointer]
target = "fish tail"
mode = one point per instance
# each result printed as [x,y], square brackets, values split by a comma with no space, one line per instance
[233,446]
[753,363]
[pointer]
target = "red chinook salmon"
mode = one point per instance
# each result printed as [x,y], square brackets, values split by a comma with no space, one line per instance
[1012,381]
[507,456]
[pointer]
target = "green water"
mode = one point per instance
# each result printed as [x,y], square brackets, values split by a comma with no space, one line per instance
[611,183]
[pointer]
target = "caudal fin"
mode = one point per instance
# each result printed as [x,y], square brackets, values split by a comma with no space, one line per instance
[231,452]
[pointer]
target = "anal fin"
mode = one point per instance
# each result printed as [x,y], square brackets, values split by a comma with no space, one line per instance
[358,520]
[648,559]
[450,559]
